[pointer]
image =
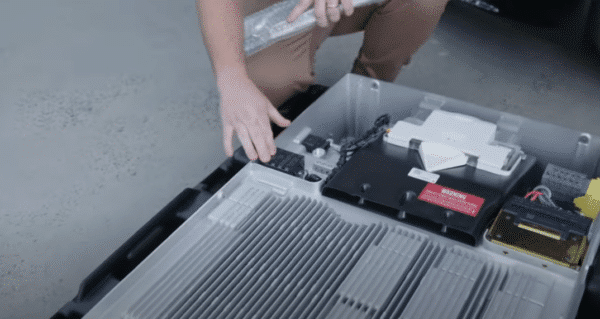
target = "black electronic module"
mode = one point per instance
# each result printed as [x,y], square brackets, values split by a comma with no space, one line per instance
[458,202]
[286,162]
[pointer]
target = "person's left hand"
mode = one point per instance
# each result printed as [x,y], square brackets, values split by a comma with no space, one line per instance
[326,11]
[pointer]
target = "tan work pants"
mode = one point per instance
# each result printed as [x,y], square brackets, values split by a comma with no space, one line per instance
[393,31]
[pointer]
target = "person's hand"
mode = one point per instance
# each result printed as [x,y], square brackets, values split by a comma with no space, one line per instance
[325,10]
[247,111]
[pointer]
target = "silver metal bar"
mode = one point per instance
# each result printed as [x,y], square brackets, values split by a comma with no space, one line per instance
[268,26]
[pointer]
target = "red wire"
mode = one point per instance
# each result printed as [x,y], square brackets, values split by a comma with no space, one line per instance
[534,195]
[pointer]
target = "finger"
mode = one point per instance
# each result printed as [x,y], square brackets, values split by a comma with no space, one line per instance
[271,144]
[298,10]
[267,134]
[333,12]
[260,131]
[257,133]
[244,138]
[320,13]
[277,118]
[228,139]
[348,7]
[264,127]
[269,140]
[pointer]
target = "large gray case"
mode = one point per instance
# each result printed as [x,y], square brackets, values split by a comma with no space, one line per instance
[268,245]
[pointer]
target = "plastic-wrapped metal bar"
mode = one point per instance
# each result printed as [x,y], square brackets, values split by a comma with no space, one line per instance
[266,27]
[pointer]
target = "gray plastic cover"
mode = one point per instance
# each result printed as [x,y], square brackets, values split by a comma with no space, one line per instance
[269,245]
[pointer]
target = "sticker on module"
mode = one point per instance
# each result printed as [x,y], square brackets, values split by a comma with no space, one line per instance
[452,199]
[423,175]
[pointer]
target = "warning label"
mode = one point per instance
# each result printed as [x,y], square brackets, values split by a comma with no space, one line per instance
[452,199]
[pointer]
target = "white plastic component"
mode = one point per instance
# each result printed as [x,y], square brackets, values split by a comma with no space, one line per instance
[423,175]
[467,134]
[319,152]
[438,156]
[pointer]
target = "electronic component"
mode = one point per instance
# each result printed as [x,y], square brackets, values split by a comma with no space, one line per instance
[458,202]
[287,162]
[565,184]
[573,187]
[313,142]
[452,138]
[547,232]
[320,155]
[322,167]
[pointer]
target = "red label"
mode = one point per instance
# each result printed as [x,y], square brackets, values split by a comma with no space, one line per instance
[451,199]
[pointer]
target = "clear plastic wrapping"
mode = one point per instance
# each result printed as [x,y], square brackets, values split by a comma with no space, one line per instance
[269,26]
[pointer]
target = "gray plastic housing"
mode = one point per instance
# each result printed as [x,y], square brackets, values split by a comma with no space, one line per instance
[268,26]
[269,245]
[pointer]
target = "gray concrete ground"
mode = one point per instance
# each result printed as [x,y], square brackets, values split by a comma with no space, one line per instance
[108,109]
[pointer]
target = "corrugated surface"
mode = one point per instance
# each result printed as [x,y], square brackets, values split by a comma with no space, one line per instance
[261,255]
[377,274]
[236,207]
[522,296]
[285,260]
[169,287]
[457,286]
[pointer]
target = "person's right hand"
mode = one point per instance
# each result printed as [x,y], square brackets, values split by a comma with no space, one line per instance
[326,11]
[248,112]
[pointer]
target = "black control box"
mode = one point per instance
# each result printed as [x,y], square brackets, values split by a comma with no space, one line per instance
[458,202]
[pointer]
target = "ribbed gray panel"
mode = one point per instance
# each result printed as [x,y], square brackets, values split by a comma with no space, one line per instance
[346,310]
[457,286]
[371,282]
[522,296]
[296,258]
[404,292]
[237,207]
[284,260]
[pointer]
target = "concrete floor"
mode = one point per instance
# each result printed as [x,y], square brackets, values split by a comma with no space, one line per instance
[108,109]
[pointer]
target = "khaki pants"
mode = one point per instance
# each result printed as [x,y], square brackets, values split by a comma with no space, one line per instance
[393,31]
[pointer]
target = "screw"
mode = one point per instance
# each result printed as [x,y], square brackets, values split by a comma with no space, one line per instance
[402,214]
[365,187]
